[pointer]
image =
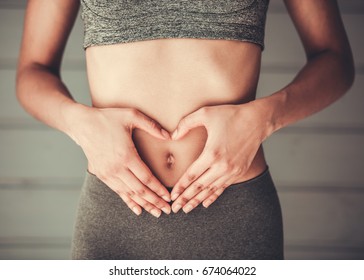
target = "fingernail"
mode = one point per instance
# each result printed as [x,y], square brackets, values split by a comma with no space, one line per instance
[174,196]
[165,133]
[174,135]
[136,210]
[176,208]
[166,198]
[187,208]
[156,213]
[166,210]
[207,204]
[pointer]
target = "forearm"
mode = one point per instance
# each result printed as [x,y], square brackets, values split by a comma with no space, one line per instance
[43,95]
[323,80]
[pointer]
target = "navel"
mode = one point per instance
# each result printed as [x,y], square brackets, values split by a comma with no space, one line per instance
[170,160]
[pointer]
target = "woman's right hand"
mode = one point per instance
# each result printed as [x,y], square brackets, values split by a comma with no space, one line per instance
[105,135]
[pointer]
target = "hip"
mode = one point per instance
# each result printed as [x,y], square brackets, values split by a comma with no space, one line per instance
[245,222]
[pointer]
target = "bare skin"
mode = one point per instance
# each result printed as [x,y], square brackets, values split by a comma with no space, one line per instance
[177,112]
[156,77]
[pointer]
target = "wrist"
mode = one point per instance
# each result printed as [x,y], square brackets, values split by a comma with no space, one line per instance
[270,112]
[76,116]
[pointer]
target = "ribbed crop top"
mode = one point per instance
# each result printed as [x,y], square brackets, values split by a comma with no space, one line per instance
[121,21]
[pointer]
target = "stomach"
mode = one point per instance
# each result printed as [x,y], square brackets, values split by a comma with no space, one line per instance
[167,79]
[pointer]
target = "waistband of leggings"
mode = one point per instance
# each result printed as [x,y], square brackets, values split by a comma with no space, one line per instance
[262,177]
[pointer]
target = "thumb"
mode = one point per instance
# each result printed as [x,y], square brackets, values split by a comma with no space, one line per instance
[187,123]
[149,125]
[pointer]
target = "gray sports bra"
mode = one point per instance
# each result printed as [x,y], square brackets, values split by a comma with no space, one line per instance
[121,21]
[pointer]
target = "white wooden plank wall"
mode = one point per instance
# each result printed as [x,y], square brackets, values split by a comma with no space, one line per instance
[317,164]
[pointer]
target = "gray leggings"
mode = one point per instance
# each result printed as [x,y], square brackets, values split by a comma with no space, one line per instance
[245,222]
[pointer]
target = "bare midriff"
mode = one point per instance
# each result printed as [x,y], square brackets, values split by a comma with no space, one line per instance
[167,79]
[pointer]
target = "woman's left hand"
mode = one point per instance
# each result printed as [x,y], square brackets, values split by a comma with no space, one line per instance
[235,133]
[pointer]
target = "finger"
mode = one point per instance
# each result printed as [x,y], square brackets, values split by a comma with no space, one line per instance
[189,122]
[196,169]
[211,199]
[136,203]
[196,200]
[131,204]
[219,185]
[149,125]
[216,181]
[121,189]
[145,176]
[149,207]
[137,190]
[196,187]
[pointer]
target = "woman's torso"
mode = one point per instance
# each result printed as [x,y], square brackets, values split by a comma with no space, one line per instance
[168,79]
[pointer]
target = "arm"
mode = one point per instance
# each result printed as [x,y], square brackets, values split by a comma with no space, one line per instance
[39,87]
[327,75]
[329,71]
[103,134]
